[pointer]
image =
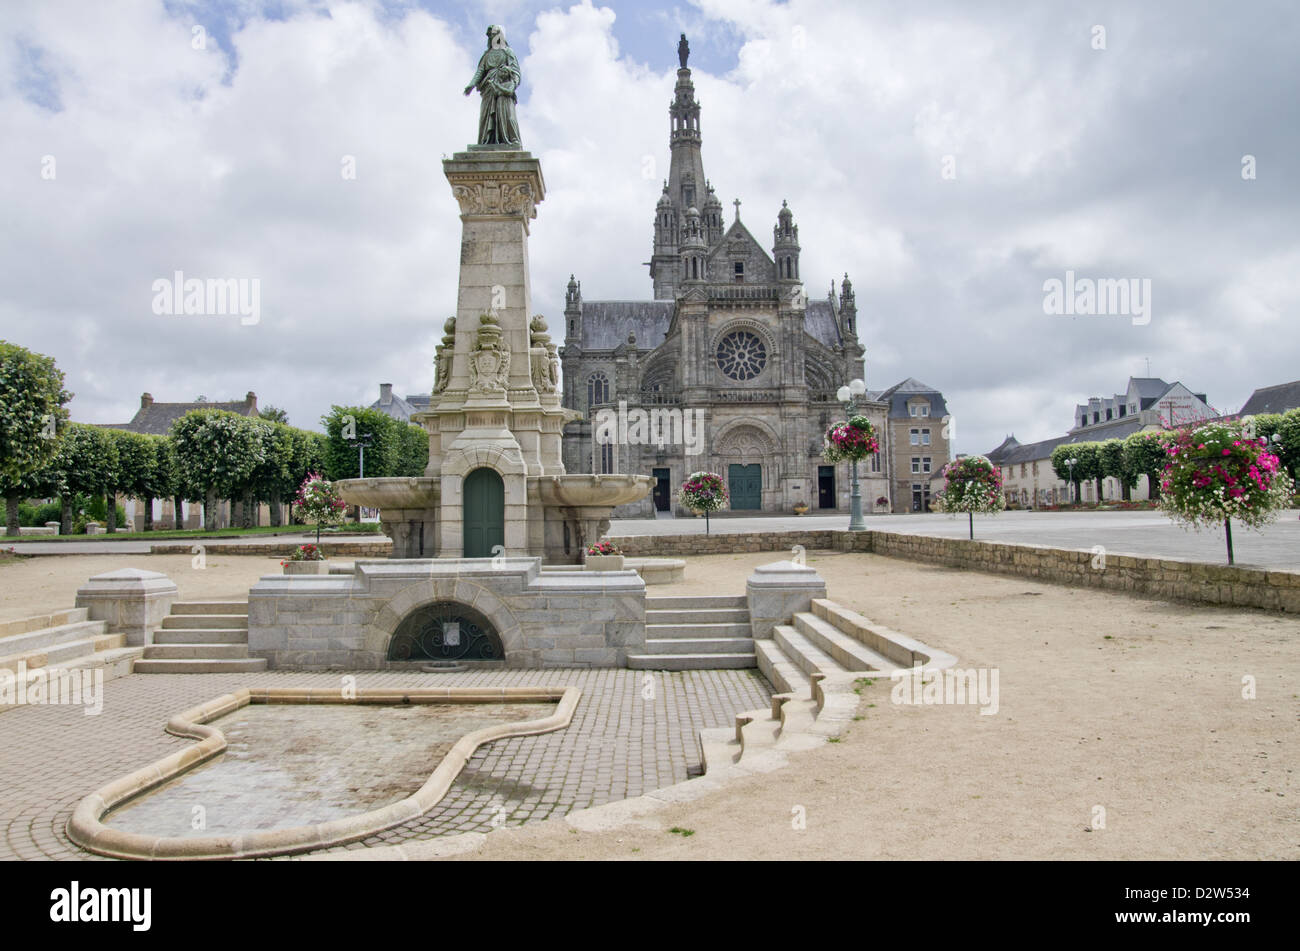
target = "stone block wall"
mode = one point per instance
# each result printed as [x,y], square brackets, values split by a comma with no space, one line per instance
[544,619]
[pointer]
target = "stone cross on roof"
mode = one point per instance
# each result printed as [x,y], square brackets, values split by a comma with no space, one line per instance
[736,202]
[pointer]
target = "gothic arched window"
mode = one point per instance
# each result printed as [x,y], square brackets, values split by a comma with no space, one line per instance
[597,389]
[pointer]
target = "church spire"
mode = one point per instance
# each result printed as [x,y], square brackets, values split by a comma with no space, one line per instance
[686,187]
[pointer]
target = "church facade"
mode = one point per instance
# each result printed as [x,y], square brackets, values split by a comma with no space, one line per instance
[731,368]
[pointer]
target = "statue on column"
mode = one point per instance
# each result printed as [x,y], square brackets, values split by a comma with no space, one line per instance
[683,51]
[497,79]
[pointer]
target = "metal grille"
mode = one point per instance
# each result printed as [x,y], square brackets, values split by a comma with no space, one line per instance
[445,630]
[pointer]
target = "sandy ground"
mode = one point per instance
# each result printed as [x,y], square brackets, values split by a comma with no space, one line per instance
[1134,706]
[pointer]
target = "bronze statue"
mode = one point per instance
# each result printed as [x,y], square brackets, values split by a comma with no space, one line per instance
[683,51]
[496,79]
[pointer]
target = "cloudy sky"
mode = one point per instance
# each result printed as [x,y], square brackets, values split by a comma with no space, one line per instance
[950,156]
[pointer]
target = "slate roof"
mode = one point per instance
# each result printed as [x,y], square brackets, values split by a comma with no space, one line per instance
[1273,399]
[156,418]
[898,395]
[819,320]
[606,323]
[1012,452]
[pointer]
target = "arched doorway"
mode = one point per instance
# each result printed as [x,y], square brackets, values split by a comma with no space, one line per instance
[484,513]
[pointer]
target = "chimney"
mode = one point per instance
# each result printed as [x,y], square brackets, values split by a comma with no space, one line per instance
[385,394]
[146,400]
[251,399]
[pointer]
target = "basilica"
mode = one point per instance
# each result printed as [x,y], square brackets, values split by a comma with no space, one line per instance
[731,340]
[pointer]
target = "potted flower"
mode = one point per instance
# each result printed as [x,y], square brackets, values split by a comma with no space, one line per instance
[703,492]
[305,560]
[604,556]
[853,441]
[882,502]
[800,507]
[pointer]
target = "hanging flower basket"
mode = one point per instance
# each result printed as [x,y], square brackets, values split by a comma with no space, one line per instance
[703,492]
[974,485]
[850,441]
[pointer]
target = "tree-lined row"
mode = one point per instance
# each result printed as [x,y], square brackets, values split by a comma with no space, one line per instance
[208,455]
[1146,454]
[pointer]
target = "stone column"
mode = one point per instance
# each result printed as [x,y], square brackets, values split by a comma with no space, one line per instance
[778,591]
[133,602]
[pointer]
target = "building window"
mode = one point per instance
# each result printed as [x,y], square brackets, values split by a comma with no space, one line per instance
[597,389]
[1035,469]
[875,462]
[741,355]
[606,458]
[916,437]
[920,409]
[925,464]
[740,271]
[1023,470]
[916,464]
[925,437]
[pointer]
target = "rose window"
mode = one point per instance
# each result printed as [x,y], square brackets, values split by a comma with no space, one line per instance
[742,355]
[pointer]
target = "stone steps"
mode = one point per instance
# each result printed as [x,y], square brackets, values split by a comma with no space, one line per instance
[699,645]
[202,637]
[846,651]
[201,666]
[196,651]
[689,661]
[696,615]
[114,662]
[210,607]
[40,622]
[50,637]
[781,672]
[729,629]
[61,653]
[697,602]
[174,622]
[810,658]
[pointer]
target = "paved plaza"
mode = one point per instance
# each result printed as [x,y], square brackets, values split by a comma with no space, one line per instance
[620,744]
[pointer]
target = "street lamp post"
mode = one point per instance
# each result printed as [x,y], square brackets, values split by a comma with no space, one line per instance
[849,396]
[1074,487]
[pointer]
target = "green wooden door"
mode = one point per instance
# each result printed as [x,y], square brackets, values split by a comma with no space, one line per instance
[745,484]
[485,513]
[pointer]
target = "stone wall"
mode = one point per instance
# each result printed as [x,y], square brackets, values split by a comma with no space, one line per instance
[1152,577]
[360,549]
[569,618]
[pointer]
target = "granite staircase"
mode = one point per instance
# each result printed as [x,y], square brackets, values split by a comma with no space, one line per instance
[201,637]
[63,640]
[696,633]
[814,662]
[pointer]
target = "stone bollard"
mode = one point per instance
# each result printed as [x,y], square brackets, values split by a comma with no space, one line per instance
[54,526]
[94,528]
[778,591]
[133,602]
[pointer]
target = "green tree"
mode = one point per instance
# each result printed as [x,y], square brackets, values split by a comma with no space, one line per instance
[1066,473]
[135,462]
[345,426]
[161,480]
[1286,428]
[216,451]
[32,420]
[1114,465]
[273,414]
[1145,455]
[413,450]
[87,463]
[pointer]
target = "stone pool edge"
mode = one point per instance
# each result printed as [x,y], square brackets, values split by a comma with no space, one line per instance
[88,832]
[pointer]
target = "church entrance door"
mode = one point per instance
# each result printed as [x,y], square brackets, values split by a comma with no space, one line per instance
[826,487]
[745,484]
[663,493]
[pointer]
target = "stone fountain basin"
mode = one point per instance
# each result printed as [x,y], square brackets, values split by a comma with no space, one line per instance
[582,490]
[400,492]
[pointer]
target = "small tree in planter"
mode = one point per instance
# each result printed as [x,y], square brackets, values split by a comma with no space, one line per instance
[705,492]
[318,503]
[974,485]
[305,559]
[1215,473]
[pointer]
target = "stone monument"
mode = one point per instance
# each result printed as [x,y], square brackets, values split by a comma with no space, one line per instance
[495,483]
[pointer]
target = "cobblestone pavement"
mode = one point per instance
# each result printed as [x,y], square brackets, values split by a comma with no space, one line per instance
[619,745]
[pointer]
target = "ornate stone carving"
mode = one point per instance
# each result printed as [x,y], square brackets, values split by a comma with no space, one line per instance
[495,197]
[443,354]
[489,361]
[541,356]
